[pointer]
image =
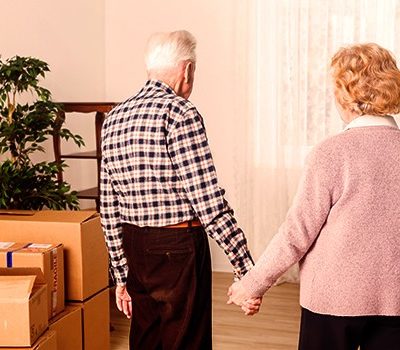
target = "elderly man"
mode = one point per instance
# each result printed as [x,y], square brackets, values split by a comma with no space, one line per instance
[159,200]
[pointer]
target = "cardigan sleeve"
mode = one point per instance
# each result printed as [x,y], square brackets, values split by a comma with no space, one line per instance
[302,225]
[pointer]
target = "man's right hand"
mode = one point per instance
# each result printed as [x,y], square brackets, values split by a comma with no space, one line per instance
[251,306]
[239,296]
[123,300]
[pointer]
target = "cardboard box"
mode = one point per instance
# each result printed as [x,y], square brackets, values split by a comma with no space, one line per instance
[48,341]
[23,306]
[85,253]
[68,326]
[49,258]
[96,321]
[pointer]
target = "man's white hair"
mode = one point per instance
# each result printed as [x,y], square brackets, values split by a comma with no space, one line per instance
[166,50]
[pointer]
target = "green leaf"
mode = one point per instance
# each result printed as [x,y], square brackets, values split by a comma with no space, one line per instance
[25,185]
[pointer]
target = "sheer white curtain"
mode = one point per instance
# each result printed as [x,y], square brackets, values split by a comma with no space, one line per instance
[287,45]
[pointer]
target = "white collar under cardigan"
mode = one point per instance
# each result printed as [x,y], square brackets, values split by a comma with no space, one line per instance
[371,120]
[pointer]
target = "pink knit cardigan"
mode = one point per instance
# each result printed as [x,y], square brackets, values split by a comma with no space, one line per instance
[343,228]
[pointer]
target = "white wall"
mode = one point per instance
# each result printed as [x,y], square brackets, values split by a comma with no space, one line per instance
[215,94]
[69,35]
[95,50]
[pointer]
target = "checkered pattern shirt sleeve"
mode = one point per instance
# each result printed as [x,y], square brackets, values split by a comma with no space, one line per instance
[110,218]
[191,156]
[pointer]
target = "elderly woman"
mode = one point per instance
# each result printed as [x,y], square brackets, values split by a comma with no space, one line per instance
[344,224]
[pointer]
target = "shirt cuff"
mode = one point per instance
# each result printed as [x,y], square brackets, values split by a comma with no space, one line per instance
[244,265]
[119,275]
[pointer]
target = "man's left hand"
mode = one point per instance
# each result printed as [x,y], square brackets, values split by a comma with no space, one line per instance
[123,300]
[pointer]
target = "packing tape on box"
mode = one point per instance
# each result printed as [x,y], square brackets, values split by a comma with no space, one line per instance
[9,256]
[9,259]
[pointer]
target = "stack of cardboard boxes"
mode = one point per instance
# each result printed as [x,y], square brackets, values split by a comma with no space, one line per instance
[37,250]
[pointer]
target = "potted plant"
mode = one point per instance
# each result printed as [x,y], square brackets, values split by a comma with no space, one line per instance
[23,129]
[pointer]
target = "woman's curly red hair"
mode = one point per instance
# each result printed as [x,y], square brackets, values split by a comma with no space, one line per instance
[367,80]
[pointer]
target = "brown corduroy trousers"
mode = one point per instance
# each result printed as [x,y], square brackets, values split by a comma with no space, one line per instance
[169,281]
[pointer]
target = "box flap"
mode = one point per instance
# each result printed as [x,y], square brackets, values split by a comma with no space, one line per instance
[11,246]
[16,287]
[63,216]
[38,247]
[24,271]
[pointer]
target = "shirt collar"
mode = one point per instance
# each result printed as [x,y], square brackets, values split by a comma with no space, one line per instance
[370,120]
[158,84]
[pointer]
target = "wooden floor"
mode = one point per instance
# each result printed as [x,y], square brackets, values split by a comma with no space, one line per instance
[275,327]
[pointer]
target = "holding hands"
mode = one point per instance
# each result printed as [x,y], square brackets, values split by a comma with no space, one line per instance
[239,296]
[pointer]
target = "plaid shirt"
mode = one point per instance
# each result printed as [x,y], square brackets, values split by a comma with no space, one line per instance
[157,170]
